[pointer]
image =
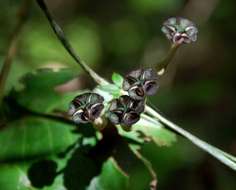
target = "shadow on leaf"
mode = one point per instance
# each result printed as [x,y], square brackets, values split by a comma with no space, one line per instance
[42,173]
[133,166]
[86,162]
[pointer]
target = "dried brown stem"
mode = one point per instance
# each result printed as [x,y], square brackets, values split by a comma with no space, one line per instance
[161,66]
[12,47]
[61,36]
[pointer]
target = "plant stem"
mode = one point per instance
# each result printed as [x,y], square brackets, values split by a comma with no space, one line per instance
[61,36]
[223,157]
[148,165]
[161,66]
[53,117]
[12,47]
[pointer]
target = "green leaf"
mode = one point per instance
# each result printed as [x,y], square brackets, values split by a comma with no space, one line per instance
[133,166]
[117,79]
[14,177]
[151,6]
[34,136]
[111,177]
[39,94]
[111,88]
[220,155]
[81,168]
[58,184]
[43,173]
[43,47]
[146,129]
[109,91]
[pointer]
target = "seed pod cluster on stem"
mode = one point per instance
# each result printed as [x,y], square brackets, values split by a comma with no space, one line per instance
[139,84]
[126,109]
[86,107]
[186,34]
[180,30]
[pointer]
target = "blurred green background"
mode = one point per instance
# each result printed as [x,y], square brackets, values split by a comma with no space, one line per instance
[198,91]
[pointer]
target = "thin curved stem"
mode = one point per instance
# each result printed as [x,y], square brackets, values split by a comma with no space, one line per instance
[61,36]
[161,66]
[12,47]
[225,158]
[148,165]
[222,156]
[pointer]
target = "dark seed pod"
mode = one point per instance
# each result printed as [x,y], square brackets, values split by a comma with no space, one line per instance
[130,118]
[140,83]
[86,107]
[180,30]
[125,111]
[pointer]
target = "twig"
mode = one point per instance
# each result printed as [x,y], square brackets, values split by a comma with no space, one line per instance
[24,111]
[148,165]
[53,117]
[12,48]
[223,157]
[61,36]
[218,154]
[161,66]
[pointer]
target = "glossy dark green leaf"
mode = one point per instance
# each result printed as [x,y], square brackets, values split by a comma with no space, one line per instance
[39,93]
[80,169]
[111,177]
[34,136]
[134,167]
[14,176]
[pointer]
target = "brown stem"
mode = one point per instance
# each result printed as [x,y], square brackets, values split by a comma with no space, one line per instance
[12,47]
[61,36]
[148,165]
[161,66]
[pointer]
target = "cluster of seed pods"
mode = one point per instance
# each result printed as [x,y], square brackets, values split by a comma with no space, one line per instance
[86,107]
[123,111]
[138,84]
[180,30]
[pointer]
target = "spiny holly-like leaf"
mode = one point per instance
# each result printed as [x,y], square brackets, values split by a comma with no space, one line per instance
[117,79]
[33,136]
[39,94]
